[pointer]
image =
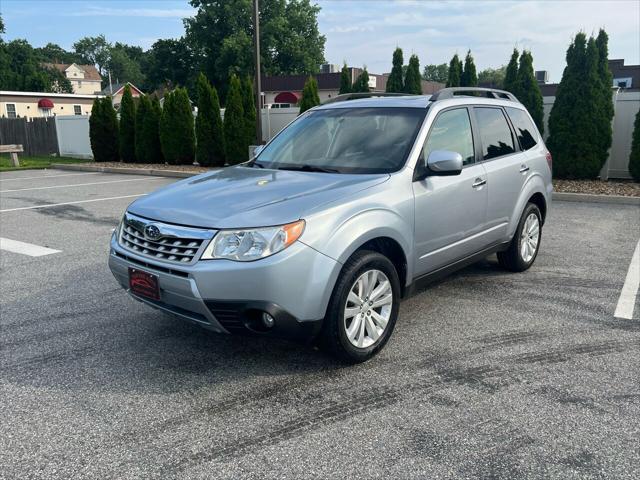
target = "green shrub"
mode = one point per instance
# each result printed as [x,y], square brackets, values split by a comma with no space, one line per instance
[236,146]
[529,91]
[362,82]
[204,123]
[395,81]
[143,110]
[310,96]
[413,79]
[103,131]
[511,74]
[177,135]
[634,157]
[249,107]
[345,80]
[152,130]
[127,127]
[455,72]
[469,77]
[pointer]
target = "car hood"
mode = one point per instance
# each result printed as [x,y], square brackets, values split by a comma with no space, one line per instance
[237,197]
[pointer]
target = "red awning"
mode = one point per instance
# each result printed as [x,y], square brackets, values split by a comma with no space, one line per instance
[287,97]
[45,103]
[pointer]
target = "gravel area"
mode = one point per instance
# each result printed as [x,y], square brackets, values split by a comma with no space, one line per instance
[612,187]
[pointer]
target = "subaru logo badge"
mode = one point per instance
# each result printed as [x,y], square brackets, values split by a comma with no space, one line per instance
[152,232]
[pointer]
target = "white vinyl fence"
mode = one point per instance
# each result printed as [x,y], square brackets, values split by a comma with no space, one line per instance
[73,136]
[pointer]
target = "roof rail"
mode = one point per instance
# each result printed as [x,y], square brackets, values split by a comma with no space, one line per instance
[486,92]
[355,95]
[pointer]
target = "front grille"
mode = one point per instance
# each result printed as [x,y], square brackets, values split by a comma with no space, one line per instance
[172,243]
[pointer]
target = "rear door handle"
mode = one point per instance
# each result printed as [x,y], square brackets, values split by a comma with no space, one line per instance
[524,169]
[479,182]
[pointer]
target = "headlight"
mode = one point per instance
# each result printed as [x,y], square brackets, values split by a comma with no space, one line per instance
[252,244]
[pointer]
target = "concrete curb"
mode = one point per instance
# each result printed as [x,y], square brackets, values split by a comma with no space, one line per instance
[125,171]
[592,198]
[557,196]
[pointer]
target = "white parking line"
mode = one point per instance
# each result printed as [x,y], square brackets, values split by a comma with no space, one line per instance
[25,248]
[82,184]
[47,205]
[627,300]
[47,176]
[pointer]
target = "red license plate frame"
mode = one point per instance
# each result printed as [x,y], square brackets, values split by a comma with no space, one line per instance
[144,284]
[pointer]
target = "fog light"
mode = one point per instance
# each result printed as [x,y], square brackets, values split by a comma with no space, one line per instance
[267,320]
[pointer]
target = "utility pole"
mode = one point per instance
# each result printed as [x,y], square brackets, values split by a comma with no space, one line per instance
[258,86]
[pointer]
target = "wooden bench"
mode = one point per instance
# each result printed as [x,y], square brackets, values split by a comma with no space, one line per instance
[14,150]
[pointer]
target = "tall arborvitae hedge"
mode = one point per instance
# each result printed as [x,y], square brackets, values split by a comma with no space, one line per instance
[413,79]
[362,82]
[103,131]
[345,80]
[511,74]
[606,84]
[455,72]
[204,123]
[529,90]
[177,134]
[634,157]
[469,76]
[127,127]
[249,107]
[574,122]
[310,96]
[152,130]
[218,131]
[236,146]
[395,81]
[143,110]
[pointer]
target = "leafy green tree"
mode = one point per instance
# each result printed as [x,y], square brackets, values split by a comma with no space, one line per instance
[103,131]
[413,79]
[634,156]
[169,61]
[606,82]
[493,77]
[529,90]
[310,96]
[361,85]
[236,146]
[573,122]
[469,77]
[220,33]
[395,82]
[345,80]
[123,68]
[455,72]
[95,51]
[436,73]
[127,127]
[142,138]
[54,53]
[511,74]
[249,107]
[177,135]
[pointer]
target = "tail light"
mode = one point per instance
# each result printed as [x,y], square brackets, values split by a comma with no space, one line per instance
[550,161]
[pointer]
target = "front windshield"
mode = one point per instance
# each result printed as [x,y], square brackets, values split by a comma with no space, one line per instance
[345,140]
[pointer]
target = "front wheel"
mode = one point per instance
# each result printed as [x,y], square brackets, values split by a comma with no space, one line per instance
[363,308]
[525,244]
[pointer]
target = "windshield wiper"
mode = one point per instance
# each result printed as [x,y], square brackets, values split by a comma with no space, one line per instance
[309,168]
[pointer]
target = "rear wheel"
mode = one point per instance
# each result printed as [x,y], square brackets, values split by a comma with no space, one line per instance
[363,308]
[524,247]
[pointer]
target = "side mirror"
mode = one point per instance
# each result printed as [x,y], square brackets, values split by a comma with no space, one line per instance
[444,162]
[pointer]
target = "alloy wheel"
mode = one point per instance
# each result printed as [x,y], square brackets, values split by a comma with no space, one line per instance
[530,237]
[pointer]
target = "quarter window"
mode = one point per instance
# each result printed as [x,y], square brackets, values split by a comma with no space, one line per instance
[451,131]
[495,133]
[525,130]
[11,110]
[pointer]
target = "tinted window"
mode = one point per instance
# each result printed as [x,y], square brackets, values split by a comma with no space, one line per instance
[451,131]
[494,133]
[346,140]
[525,130]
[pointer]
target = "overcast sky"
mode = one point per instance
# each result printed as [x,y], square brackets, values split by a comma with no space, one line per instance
[363,32]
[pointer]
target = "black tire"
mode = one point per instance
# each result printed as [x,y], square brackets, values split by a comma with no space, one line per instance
[334,336]
[511,259]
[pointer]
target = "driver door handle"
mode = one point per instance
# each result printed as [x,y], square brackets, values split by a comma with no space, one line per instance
[479,182]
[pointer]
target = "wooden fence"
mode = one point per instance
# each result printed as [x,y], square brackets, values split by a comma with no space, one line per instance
[36,135]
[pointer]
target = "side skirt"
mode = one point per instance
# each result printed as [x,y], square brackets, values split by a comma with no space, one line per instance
[424,280]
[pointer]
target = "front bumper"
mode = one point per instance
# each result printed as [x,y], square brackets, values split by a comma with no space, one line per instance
[294,286]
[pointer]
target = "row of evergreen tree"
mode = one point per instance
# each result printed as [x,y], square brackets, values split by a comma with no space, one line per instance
[150,133]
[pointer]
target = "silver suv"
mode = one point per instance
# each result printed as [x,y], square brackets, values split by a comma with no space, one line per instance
[340,216]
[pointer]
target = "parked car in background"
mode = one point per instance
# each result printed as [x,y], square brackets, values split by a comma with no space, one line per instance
[340,216]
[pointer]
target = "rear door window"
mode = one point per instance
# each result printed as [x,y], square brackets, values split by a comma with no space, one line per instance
[495,133]
[525,129]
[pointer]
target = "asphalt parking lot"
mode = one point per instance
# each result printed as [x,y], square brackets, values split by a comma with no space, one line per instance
[489,374]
